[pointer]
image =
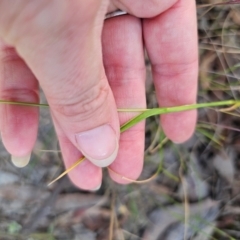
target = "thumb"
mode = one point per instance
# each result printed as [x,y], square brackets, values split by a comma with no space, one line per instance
[89,119]
[65,55]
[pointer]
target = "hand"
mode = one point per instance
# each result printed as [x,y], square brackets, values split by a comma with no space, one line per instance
[58,45]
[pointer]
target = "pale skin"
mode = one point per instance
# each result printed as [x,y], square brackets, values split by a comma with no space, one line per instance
[87,68]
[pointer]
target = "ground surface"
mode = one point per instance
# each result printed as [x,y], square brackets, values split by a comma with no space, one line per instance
[194,196]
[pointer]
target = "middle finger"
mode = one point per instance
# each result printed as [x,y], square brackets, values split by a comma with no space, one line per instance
[123,57]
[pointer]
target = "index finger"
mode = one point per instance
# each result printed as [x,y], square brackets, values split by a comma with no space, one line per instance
[171,43]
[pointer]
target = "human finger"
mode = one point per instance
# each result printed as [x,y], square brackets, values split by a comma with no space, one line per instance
[18,124]
[171,43]
[124,65]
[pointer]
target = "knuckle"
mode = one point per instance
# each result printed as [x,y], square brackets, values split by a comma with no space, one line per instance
[15,18]
[144,9]
[84,105]
[25,19]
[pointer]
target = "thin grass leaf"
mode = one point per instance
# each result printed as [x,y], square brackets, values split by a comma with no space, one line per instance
[24,104]
[159,111]
[209,135]
[68,170]
[231,2]
[135,181]
[170,175]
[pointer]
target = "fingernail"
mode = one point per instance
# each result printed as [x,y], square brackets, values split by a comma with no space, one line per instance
[96,189]
[99,145]
[176,142]
[20,161]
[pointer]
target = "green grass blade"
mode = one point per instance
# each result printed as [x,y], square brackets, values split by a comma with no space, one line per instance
[145,112]
[159,111]
[209,136]
[24,103]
